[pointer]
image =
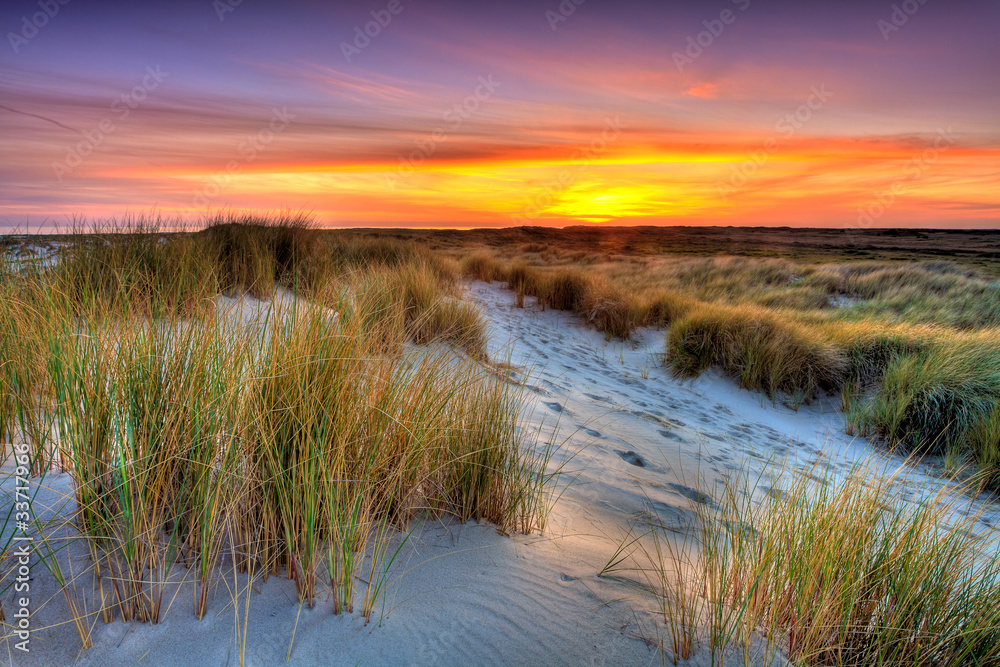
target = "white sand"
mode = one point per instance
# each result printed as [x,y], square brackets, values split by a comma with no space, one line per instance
[463,594]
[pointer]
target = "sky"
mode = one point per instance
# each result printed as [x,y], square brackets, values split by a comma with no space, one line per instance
[410,113]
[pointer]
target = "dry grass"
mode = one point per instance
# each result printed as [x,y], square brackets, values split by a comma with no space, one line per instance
[303,444]
[909,348]
[482,266]
[760,349]
[845,572]
[660,559]
[853,572]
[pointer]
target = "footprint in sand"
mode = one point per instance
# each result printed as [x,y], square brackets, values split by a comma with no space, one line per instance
[556,407]
[692,494]
[591,432]
[631,457]
[671,435]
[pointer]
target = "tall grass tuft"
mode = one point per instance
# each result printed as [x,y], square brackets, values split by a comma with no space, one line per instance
[482,266]
[761,350]
[848,571]
[137,264]
[853,572]
[941,398]
[305,442]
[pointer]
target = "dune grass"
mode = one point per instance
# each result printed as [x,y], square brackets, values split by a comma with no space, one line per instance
[761,350]
[910,346]
[424,306]
[853,572]
[845,571]
[304,442]
[307,445]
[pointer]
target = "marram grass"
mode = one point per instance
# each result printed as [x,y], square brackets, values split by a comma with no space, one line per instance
[849,571]
[911,347]
[304,443]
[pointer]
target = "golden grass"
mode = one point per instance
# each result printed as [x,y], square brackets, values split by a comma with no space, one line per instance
[304,443]
[847,571]
[852,572]
[911,349]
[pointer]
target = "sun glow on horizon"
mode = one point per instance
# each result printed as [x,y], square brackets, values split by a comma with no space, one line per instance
[480,118]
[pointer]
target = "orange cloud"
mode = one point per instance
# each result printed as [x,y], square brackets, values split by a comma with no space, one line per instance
[704,90]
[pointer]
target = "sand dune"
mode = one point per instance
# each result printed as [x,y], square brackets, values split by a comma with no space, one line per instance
[632,435]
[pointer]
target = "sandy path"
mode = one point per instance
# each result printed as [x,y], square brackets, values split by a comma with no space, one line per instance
[622,402]
[467,595]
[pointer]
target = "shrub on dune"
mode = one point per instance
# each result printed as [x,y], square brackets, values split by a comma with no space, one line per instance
[934,400]
[481,266]
[759,349]
[608,308]
[567,289]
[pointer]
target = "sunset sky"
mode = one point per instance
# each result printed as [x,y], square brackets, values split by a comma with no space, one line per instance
[734,112]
